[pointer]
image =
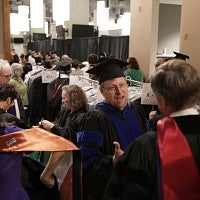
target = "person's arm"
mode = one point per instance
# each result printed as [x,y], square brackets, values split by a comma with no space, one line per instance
[134,175]
[95,141]
[54,128]
[46,176]
[46,124]
[96,134]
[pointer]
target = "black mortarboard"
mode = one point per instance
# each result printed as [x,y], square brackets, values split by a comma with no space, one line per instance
[64,65]
[109,69]
[102,59]
[181,56]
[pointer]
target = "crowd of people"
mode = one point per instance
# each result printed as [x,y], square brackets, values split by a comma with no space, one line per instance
[123,155]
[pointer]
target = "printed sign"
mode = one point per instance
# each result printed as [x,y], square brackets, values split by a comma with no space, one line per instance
[49,75]
[148,96]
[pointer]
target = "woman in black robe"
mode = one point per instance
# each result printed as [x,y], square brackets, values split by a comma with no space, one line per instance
[74,106]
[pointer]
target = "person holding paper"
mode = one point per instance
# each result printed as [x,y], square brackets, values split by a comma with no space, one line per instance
[74,105]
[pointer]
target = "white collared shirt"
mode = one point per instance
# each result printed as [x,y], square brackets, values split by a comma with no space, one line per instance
[187,111]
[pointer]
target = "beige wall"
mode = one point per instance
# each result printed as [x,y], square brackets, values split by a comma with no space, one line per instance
[1,30]
[169,28]
[190,31]
[79,13]
[144,30]
[144,33]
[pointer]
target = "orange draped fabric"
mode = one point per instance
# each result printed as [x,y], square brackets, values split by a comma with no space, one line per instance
[180,176]
[37,139]
[34,139]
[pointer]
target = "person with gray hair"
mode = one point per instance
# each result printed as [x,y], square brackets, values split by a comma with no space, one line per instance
[5,76]
[5,71]
[165,164]
[17,81]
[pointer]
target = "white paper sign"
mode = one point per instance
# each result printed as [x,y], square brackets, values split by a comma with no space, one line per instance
[73,80]
[49,75]
[99,95]
[148,96]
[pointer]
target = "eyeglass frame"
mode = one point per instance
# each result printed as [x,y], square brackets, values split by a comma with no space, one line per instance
[6,76]
[115,88]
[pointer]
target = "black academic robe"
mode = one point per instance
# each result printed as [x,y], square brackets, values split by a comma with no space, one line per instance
[135,174]
[67,124]
[37,100]
[54,97]
[96,144]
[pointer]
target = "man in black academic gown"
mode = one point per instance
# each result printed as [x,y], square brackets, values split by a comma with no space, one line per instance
[54,89]
[164,164]
[113,120]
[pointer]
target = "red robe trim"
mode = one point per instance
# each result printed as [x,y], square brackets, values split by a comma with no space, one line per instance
[180,176]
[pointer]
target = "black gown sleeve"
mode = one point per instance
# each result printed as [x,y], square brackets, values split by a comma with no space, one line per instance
[95,141]
[134,176]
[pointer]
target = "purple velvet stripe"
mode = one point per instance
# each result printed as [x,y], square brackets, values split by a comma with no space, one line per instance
[10,129]
[89,143]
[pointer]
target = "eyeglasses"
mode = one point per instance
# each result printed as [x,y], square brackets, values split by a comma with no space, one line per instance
[114,88]
[6,76]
